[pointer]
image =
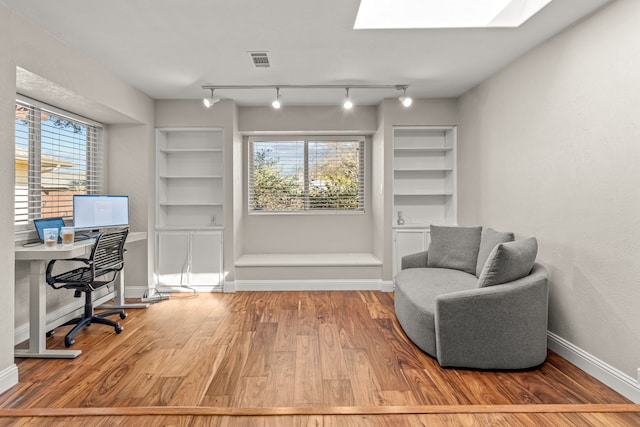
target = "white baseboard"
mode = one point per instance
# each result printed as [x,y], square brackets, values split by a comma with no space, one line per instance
[8,377]
[387,286]
[612,377]
[192,288]
[311,285]
[137,291]
[141,291]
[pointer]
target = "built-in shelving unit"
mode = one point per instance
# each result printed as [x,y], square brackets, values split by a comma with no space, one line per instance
[190,178]
[424,185]
[190,202]
[424,179]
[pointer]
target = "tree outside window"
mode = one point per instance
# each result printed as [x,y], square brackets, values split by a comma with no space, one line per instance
[306,175]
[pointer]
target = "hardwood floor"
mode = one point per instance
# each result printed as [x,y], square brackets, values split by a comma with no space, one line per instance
[288,358]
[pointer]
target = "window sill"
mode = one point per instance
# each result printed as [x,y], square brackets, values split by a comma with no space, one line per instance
[306,213]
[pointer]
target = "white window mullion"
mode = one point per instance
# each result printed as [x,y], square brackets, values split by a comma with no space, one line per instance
[35,163]
[94,163]
[361,180]
[307,201]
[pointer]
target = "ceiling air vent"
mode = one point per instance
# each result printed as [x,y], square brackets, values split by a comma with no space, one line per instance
[260,59]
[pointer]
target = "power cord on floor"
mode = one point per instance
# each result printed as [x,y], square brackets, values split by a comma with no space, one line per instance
[152,296]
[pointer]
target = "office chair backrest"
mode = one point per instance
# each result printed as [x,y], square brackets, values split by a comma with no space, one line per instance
[108,251]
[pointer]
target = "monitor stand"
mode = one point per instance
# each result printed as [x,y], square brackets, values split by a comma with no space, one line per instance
[86,235]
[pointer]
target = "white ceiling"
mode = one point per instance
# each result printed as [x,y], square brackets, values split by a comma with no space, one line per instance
[168,49]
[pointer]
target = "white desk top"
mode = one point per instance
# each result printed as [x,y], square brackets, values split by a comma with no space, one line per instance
[41,252]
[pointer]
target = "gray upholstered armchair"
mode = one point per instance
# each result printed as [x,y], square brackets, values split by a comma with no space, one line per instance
[495,321]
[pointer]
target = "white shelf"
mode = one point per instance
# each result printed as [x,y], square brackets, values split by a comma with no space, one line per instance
[190,150]
[191,177]
[427,169]
[189,204]
[423,193]
[416,226]
[425,149]
[189,228]
[309,260]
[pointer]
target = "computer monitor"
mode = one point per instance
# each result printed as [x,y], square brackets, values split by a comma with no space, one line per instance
[93,212]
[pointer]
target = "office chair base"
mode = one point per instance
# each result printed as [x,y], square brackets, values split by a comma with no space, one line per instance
[81,322]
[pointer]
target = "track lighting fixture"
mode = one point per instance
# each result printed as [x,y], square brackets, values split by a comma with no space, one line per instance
[347,101]
[209,102]
[276,102]
[404,99]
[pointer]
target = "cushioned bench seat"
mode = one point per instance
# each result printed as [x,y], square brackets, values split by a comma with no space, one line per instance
[416,293]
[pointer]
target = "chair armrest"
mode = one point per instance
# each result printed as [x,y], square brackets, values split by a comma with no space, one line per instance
[497,327]
[53,262]
[418,260]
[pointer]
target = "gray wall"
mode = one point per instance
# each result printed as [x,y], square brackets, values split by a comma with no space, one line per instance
[549,147]
[57,74]
[7,180]
[315,233]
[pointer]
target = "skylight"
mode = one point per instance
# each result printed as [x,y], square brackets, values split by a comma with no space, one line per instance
[388,14]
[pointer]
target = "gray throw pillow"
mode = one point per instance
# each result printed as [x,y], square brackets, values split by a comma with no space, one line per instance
[508,262]
[454,247]
[490,239]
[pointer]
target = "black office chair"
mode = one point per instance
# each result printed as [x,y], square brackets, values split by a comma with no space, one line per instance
[100,269]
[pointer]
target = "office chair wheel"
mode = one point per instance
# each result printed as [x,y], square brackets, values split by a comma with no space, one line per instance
[123,315]
[118,329]
[68,342]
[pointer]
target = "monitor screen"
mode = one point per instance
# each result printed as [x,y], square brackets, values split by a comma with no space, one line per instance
[94,212]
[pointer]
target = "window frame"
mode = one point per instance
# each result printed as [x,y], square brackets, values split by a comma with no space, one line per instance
[363,173]
[95,168]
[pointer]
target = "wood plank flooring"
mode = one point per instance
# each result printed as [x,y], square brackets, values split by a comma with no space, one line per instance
[288,358]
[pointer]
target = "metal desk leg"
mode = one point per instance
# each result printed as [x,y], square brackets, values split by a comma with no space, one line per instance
[118,298]
[38,318]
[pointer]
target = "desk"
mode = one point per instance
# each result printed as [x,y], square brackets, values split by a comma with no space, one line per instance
[39,256]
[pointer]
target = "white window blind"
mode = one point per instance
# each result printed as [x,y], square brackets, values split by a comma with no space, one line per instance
[306,174]
[57,155]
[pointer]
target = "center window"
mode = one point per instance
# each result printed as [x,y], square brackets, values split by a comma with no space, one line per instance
[306,175]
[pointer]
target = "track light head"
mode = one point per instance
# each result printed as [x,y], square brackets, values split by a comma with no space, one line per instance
[347,105]
[404,99]
[276,102]
[211,101]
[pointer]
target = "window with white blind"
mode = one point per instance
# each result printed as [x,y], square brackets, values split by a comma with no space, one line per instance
[306,174]
[57,155]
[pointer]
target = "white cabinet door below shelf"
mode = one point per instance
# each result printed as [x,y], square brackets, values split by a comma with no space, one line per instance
[173,258]
[189,258]
[407,242]
[206,258]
